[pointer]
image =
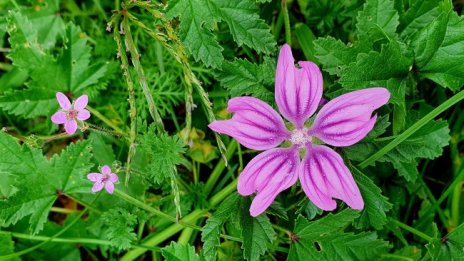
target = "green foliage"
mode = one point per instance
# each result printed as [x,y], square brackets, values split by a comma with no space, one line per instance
[378,19]
[256,233]
[212,228]
[177,252]
[199,16]
[7,246]
[449,247]
[426,143]
[163,154]
[242,77]
[325,239]
[119,227]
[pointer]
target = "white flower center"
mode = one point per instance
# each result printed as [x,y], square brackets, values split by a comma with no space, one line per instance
[300,137]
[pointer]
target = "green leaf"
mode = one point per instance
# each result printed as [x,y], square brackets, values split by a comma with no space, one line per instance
[177,252]
[197,19]
[306,39]
[28,166]
[419,14]
[334,55]
[101,148]
[256,233]
[449,247]
[324,240]
[242,77]
[375,204]
[212,228]
[29,103]
[387,68]
[245,25]
[377,20]
[69,169]
[7,247]
[410,253]
[428,143]
[119,227]
[444,48]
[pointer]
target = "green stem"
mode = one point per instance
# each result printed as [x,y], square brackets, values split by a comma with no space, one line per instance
[411,130]
[443,196]
[30,249]
[220,167]
[456,203]
[412,230]
[105,120]
[63,210]
[163,235]
[135,58]
[288,32]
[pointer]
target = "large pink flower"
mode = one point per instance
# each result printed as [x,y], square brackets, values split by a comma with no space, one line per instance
[341,122]
[70,114]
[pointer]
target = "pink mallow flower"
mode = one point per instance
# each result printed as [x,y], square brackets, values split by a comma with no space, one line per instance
[71,114]
[341,122]
[105,179]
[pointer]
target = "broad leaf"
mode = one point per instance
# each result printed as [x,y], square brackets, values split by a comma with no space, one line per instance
[450,247]
[177,252]
[377,20]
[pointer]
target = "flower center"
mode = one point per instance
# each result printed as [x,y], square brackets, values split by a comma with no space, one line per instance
[300,137]
[72,114]
[105,178]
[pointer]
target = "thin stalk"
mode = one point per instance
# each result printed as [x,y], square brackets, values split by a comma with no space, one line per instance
[135,58]
[443,196]
[412,230]
[288,32]
[132,106]
[411,130]
[219,168]
[106,120]
[173,229]
[63,210]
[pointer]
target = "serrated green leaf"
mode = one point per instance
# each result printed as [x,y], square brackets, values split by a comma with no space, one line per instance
[335,55]
[245,25]
[29,103]
[71,167]
[428,142]
[377,20]
[256,233]
[375,204]
[449,247]
[242,77]
[323,240]
[119,227]
[444,49]
[211,230]
[197,19]
[7,247]
[387,68]
[419,14]
[177,252]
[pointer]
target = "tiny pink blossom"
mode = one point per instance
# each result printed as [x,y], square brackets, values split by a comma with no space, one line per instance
[104,179]
[340,122]
[71,114]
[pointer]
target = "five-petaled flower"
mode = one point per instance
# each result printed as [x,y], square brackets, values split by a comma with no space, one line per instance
[70,114]
[341,122]
[104,179]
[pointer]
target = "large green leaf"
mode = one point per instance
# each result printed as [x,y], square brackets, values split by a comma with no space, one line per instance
[177,252]
[377,20]
[450,247]
[324,240]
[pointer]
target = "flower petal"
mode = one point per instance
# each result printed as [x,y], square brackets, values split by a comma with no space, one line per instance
[346,119]
[113,178]
[63,101]
[268,174]
[70,127]
[255,124]
[83,115]
[323,176]
[81,102]
[95,177]
[297,90]
[106,170]
[97,186]
[59,117]
[109,186]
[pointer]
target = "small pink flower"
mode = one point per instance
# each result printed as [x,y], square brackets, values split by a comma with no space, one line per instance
[71,114]
[105,179]
[341,122]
